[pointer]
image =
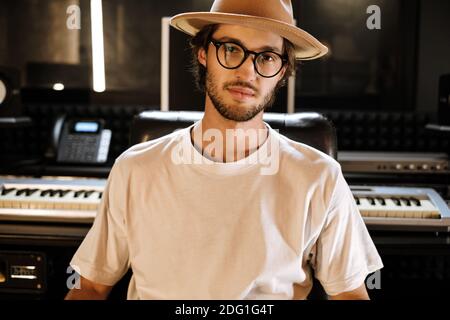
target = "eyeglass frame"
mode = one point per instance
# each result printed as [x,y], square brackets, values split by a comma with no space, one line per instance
[247,52]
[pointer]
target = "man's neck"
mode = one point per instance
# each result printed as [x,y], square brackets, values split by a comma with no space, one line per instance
[238,139]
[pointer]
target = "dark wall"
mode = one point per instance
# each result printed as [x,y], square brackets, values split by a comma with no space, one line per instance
[433,51]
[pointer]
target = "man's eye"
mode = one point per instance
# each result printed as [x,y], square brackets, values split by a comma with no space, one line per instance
[267,58]
[231,48]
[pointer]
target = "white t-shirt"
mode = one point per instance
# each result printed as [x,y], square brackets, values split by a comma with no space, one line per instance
[213,230]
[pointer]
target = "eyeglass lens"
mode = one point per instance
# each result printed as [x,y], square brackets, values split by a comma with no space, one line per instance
[232,55]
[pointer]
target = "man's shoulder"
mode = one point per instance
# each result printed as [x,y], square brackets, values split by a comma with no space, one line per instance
[152,150]
[309,167]
[301,153]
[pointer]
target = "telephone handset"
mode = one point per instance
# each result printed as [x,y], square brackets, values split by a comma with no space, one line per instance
[81,140]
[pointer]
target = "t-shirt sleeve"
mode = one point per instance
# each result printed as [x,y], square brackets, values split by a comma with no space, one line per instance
[345,252]
[103,255]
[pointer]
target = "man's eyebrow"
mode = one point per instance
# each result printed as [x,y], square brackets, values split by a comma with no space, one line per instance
[261,49]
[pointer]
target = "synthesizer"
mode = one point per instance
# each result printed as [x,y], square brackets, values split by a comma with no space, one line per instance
[77,201]
[402,208]
[50,200]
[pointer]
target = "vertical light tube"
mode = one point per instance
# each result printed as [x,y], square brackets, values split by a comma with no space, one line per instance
[165,62]
[291,94]
[291,90]
[98,56]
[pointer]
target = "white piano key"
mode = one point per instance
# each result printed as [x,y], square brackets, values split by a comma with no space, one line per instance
[6,200]
[69,201]
[366,209]
[391,210]
[396,208]
[430,211]
[379,209]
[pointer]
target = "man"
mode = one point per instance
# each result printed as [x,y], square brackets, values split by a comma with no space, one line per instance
[219,228]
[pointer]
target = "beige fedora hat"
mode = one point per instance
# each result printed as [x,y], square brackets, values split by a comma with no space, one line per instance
[271,15]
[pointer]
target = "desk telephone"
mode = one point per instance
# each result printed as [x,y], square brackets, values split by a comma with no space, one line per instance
[81,140]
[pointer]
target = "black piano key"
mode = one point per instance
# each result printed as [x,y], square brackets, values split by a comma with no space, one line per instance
[88,193]
[61,193]
[27,191]
[415,201]
[64,192]
[381,201]
[371,200]
[5,191]
[55,193]
[20,191]
[100,194]
[30,192]
[79,193]
[49,192]
[357,200]
[396,201]
[406,200]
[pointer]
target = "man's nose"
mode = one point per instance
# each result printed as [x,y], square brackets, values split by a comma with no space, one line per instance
[247,70]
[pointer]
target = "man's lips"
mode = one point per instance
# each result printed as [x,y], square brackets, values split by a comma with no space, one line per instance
[241,92]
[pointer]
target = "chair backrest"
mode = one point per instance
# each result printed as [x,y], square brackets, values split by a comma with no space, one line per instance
[310,128]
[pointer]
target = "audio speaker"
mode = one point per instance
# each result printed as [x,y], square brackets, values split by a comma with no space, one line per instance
[444,100]
[10,104]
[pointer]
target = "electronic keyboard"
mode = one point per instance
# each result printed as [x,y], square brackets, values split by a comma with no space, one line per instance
[402,208]
[50,200]
[77,201]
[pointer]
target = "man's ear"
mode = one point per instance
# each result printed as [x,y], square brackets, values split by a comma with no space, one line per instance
[282,72]
[201,56]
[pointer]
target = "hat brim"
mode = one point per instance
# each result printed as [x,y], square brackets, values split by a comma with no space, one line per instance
[306,46]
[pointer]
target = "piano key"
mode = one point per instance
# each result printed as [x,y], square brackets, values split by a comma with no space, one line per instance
[68,202]
[395,207]
[430,211]
[21,191]
[88,193]
[46,192]
[365,208]
[90,200]
[78,193]
[30,192]
[405,201]
[396,201]
[371,200]
[381,201]
[5,191]
[415,201]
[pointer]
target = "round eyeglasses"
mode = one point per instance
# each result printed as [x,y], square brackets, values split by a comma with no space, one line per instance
[231,55]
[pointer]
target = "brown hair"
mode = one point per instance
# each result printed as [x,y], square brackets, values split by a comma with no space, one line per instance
[201,40]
